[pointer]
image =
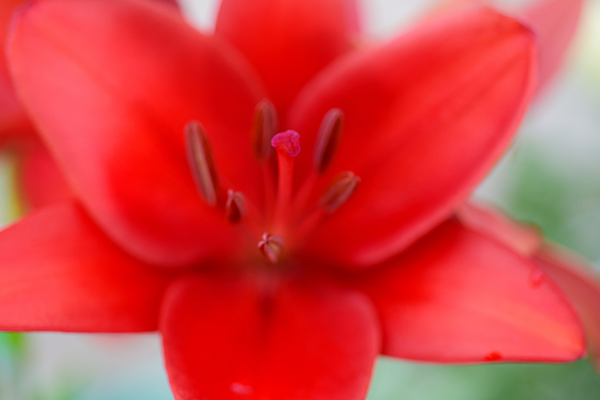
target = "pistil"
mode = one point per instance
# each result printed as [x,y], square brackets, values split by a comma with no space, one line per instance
[287,145]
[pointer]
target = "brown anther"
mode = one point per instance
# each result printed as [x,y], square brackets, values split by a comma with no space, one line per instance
[200,158]
[339,191]
[271,247]
[234,208]
[264,128]
[328,139]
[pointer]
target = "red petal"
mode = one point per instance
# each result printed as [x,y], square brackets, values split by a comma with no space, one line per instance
[230,339]
[12,115]
[554,23]
[352,12]
[523,239]
[458,296]
[565,269]
[288,41]
[171,2]
[583,289]
[446,6]
[42,182]
[120,80]
[427,115]
[58,272]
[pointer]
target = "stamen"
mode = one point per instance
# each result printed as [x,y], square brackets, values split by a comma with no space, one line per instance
[263,130]
[271,247]
[328,139]
[235,206]
[200,158]
[339,191]
[265,126]
[287,145]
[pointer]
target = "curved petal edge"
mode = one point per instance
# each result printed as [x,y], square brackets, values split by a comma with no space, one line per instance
[264,338]
[459,296]
[59,272]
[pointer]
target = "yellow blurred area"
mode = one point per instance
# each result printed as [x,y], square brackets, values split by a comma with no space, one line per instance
[588,48]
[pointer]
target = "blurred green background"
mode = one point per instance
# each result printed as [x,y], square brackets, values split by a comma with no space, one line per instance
[550,178]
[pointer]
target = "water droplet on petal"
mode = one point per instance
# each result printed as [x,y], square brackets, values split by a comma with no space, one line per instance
[493,356]
[240,388]
[536,278]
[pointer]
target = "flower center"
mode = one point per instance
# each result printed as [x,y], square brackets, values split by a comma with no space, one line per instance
[271,247]
[288,214]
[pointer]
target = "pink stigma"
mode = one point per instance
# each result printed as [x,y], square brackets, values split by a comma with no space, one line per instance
[288,141]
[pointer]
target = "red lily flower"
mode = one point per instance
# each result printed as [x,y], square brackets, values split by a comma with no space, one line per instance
[250,263]
[569,271]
